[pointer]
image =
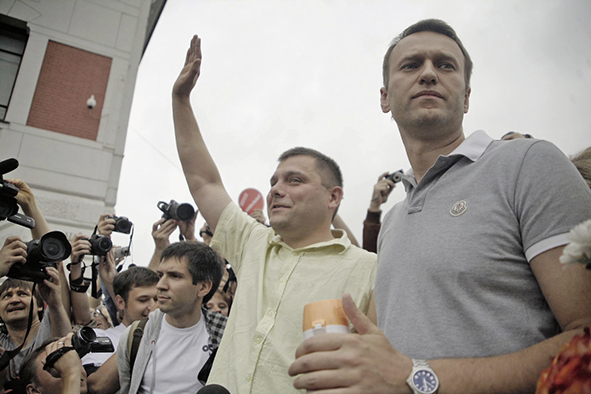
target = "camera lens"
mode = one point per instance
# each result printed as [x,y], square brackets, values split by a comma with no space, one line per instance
[185,212]
[52,249]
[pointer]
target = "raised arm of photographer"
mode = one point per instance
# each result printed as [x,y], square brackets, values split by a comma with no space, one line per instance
[80,305]
[203,177]
[51,293]
[161,231]
[26,199]
[107,271]
[368,363]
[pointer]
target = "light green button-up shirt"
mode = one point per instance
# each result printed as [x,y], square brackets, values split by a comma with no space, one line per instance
[274,283]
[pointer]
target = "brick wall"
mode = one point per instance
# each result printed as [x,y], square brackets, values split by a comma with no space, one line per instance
[69,76]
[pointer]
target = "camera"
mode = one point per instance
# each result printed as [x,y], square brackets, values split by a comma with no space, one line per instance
[122,224]
[99,245]
[122,251]
[85,341]
[8,192]
[41,253]
[395,176]
[174,210]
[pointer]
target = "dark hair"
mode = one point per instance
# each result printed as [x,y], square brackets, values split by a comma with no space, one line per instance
[203,262]
[435,26]
[11,283]
[324,164]
[133,277]
[28,369]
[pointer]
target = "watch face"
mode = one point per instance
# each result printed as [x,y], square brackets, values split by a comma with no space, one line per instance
[425,381]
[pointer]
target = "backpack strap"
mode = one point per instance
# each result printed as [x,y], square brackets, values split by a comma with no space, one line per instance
[133,341]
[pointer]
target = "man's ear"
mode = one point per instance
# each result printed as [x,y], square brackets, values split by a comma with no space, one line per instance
[204,288]
[31,389]
[384,100]
[336,196]
[467,100]
[120,303]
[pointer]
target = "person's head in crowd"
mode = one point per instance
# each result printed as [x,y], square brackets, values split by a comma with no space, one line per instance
[206,234]
[190,273]
[135,293]
[220,302]
[37,380]
[433,26]
[15,298]
[306,191]
[582,161]
[514,135]
[100,317]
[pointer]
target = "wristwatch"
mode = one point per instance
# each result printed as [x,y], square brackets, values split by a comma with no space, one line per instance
[422,379]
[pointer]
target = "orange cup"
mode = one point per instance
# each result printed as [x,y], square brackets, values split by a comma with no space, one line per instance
[326,316]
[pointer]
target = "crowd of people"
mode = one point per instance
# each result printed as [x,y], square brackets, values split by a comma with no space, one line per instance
[465,293]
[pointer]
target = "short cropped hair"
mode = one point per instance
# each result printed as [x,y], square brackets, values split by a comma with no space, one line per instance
[28,369]
[203,262]
[11,283]
[435,26]
[324,164]
[133,277]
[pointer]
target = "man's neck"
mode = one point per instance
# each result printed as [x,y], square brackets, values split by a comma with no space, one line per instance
[422,154]
[296,241]
[184,320]
[17,332]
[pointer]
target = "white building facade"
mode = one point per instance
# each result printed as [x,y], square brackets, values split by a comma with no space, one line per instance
[54,56]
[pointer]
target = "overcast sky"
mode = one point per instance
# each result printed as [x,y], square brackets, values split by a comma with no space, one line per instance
[279,74]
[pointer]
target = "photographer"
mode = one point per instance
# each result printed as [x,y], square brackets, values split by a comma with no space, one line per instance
[161,231]
[16,298]
[66,376]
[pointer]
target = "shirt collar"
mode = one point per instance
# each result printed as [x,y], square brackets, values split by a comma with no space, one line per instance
[340,241]
[472,147]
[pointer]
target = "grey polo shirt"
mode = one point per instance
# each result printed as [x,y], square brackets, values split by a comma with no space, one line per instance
[453,275]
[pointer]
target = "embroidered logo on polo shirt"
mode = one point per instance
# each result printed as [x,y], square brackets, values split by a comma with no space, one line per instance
[459,208]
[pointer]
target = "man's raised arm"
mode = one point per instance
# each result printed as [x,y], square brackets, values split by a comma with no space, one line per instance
[199,168]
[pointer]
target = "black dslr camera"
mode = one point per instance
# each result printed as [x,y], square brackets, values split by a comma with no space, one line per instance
[174,210]
[8,192]
[41,253]
[100,245]
[122,224]
[395,176]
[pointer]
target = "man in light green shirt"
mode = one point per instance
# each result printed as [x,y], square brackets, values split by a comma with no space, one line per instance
[280,269]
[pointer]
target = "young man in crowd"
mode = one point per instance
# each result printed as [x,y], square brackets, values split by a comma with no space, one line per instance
[280,269]
[469,275]
[180,339]
[135,297]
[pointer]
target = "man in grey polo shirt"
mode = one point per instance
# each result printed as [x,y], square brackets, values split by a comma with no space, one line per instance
[468,264]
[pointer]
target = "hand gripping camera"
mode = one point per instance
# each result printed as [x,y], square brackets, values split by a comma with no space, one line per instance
[41,253]
[8,192]
[173,210]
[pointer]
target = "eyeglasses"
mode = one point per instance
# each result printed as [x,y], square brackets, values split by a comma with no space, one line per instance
[97,312]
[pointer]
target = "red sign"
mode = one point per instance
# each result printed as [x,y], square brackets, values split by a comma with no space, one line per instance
[251,199]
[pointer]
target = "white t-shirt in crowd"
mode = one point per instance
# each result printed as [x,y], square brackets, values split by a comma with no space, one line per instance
[179,356]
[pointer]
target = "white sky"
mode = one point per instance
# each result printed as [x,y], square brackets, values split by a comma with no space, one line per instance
[279,74]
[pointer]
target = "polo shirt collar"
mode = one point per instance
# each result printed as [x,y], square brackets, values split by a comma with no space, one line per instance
[472,148]
[340,241]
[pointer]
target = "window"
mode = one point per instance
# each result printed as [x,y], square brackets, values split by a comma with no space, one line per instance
[13,39]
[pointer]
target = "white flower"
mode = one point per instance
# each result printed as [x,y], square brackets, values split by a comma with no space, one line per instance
[579,249]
